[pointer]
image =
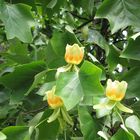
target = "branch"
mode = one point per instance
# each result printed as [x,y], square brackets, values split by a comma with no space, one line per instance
[117,41]
[84,24]
[36,111]
[77,16]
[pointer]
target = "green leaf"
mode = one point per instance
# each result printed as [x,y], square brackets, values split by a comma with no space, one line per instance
[31,2]
[68,87]
[90,76]
[35,120]
[24,76]
[51,7]
[60,39]
[52,4]
[4,110]
[113,57]
[16,47]
[37,79]
[54,60]
[2,136]
[132,77]
[4,95]
[120,13]
[132,50]
[20,120]
[136,108]
[89,126]
[19,23]
[95,37]
[15,132]
[45,87]
[134,63]
[133,122]
[22,59]
[87,5]
[77,138]
[121,133]
[103,135]
[47,131]
[1,2]
[17,52]
[71,87]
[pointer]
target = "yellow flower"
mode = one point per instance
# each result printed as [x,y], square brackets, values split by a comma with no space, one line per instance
[74,54]
[54,101]
[116,90]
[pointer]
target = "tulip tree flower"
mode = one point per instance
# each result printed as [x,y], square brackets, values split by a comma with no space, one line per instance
[56,103]
[74,54]
[115,92]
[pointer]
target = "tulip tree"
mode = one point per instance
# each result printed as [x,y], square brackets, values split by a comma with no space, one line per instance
[69,69]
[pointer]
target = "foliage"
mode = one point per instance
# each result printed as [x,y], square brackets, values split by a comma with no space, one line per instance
[51,88]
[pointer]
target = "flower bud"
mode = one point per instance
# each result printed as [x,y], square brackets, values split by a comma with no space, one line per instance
[74,54]
[54,101]
[116,90]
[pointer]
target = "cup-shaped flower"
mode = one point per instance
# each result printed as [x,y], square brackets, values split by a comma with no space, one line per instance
[54,101]
[116,90]
[74,54]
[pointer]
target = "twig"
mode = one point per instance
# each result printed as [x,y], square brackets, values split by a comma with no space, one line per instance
[77,16]
[117,41]
[37,110]
[84,24]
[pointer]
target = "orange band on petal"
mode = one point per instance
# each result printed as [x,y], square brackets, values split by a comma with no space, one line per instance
[74,54]
[116,90]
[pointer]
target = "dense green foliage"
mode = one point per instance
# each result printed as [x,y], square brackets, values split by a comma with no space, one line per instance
[33,39]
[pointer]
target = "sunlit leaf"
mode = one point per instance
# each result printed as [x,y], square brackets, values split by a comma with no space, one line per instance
[132,50]
[136,124]
[19,23]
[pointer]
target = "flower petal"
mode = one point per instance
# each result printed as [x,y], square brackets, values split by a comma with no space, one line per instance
[124,108]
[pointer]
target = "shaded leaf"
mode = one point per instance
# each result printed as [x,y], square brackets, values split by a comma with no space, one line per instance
[136,108]
[97,38]
[132,51]
[15,132]
[23,75]
[47,131]
[132,77]
[60,40]
[121,133]
[90,76]
[37,79]
[120,13]
[89,126]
